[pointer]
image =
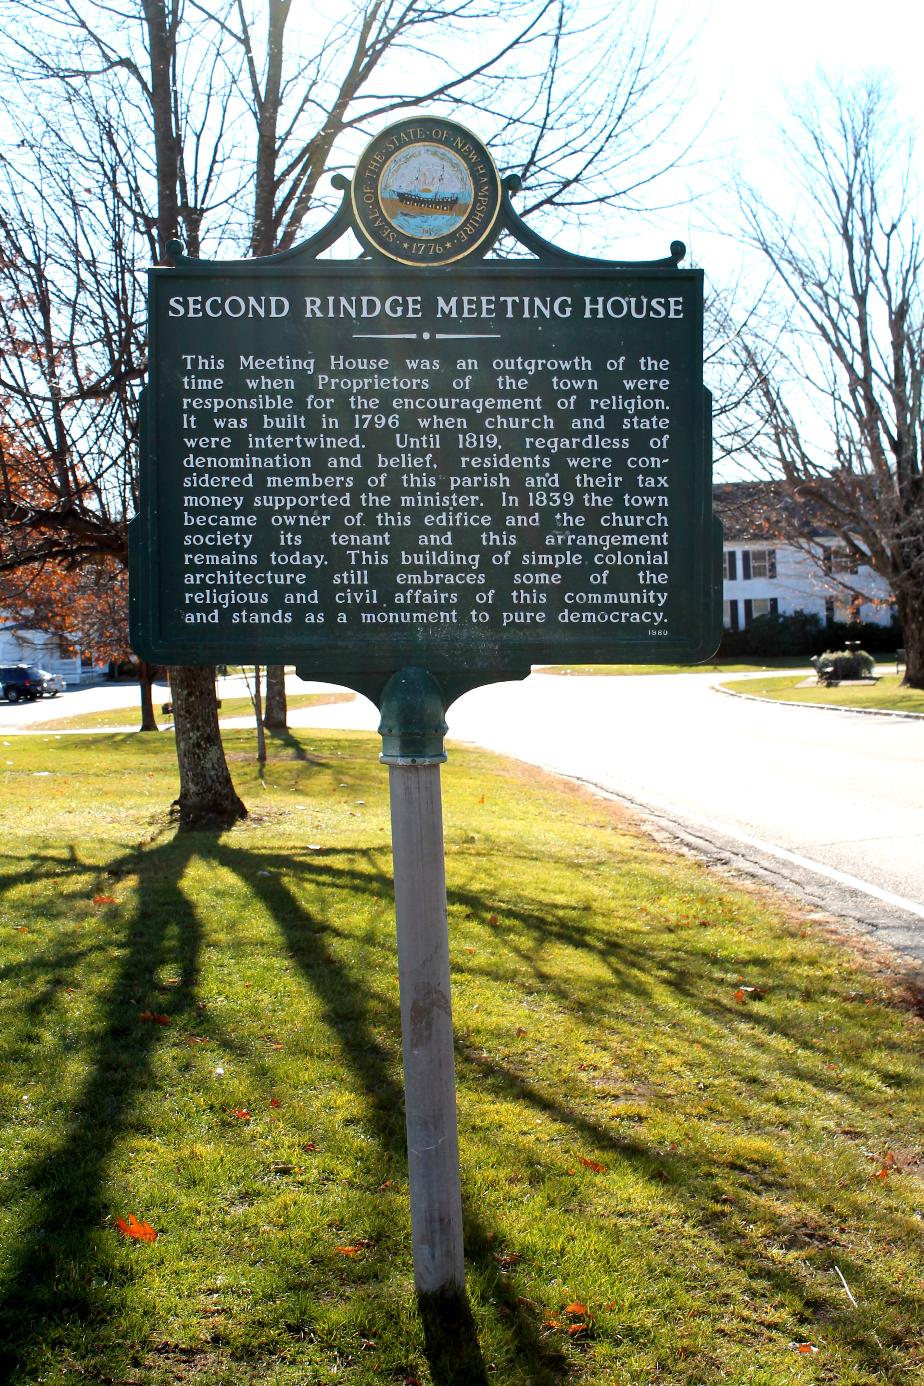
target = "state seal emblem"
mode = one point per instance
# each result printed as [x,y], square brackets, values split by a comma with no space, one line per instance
[426,192]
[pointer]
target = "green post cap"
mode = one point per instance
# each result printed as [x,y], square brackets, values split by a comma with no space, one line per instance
[413,723]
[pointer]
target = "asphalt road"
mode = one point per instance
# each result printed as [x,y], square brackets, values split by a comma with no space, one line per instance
[826,805]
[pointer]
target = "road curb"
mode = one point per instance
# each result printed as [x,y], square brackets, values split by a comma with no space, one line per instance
[810,884]
[820,707]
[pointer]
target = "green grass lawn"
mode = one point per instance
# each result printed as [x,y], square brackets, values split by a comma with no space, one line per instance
[730,666]
[230,707]
[682,1111]
[886,694]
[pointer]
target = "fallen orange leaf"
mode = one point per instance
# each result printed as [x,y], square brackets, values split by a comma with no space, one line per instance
[348,1250]
[140,1231]
[521,1033]
[153,1016]
[577,1308]
[274,1102]
[592,1165]
[104,900]
[746,993]
[241,1113]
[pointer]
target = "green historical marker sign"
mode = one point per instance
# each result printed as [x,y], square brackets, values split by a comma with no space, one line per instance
[454,463]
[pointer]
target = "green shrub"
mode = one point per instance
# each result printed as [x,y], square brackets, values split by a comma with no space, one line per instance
[799,633]
[849,664]
[875,638]
[804,633]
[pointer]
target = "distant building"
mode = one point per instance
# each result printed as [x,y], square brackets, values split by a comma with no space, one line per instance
[778,557]
[19,646]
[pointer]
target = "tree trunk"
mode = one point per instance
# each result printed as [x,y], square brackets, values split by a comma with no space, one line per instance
[207,796]
[911,616]
[146,677]
[276,712]
[258,715]
[161,43]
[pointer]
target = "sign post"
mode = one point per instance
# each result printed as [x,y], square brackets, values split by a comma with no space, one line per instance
[416,473]
[412,731]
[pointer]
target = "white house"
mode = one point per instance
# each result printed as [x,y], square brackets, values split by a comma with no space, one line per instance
[764,572]
[18,646]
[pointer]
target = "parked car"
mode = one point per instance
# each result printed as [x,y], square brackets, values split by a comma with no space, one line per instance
[21,681]
[52,684]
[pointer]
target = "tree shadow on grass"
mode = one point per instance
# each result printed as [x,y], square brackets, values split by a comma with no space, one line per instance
[45,1286]
[283,738]
[451,1341]
[698,1189]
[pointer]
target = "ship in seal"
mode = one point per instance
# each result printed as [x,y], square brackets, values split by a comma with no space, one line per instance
[427,201]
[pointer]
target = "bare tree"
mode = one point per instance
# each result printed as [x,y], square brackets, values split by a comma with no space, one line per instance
[72,359]
[836,404]
[112,155]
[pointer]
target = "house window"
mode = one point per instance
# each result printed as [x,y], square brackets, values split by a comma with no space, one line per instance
[729,565]
[839,561]
[759,606]
[758,563]
[839,611]
[730,615]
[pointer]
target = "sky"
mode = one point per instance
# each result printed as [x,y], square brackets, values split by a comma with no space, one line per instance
[750,51]
[745,59]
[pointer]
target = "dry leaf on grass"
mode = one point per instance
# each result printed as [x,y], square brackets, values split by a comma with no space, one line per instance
[139,1231]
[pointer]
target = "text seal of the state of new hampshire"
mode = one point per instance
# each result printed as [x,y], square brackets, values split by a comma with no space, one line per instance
[426,192]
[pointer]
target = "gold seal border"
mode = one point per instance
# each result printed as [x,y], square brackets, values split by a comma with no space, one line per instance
[493,177]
